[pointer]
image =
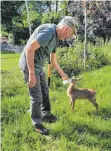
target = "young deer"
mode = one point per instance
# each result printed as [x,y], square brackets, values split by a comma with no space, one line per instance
[79,93]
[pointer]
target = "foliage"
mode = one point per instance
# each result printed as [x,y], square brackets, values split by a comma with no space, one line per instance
[51,17]
[14,17]
[3,33]
[98,56]
[16,20]
[71,59]
[98,18]
[8,11]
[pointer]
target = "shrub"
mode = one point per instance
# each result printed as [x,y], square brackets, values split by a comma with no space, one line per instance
[71,59]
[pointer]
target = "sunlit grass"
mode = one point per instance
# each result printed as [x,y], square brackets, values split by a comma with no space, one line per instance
[81,130]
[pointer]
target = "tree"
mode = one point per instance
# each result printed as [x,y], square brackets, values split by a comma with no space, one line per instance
[14,17]
[9,11]
[98,18]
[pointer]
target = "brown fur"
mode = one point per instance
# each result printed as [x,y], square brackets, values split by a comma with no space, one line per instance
[80,93]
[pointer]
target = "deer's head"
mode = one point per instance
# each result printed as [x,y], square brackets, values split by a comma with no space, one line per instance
[74,80]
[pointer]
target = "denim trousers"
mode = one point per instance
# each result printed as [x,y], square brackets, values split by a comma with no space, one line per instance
[39,97]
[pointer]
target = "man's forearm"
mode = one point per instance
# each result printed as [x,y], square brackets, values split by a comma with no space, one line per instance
[30,60]
[30,55]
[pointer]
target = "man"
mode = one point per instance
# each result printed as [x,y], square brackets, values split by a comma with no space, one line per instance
[41,45]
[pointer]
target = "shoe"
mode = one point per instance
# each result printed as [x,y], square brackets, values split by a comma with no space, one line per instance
[49,118]
[41,129]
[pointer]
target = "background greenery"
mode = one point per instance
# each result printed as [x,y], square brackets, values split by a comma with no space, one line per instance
[71,59]
[15,26]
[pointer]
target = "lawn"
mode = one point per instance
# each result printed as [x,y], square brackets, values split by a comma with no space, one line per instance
[81,130]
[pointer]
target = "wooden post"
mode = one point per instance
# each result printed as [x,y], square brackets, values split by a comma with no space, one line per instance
[28,16]
[85,21]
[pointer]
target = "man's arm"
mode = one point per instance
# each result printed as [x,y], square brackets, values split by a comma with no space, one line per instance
[57,67]
[30,51]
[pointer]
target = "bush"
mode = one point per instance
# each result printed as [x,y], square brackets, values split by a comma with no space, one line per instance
[98,56]
[71,59]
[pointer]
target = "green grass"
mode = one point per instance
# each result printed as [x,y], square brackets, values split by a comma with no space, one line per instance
[81,130]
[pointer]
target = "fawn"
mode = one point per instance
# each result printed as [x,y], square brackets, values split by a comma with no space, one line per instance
[80,93]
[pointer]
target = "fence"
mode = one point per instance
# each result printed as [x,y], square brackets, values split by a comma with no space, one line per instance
[11,77]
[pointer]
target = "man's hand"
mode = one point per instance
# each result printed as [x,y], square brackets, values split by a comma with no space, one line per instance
[64,77]
[32,80]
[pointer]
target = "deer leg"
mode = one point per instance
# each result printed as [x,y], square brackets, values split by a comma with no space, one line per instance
[72,104]
[93,101]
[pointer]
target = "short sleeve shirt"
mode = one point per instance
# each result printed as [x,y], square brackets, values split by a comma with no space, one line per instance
[47,38]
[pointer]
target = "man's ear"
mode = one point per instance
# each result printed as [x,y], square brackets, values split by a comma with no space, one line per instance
[67,29]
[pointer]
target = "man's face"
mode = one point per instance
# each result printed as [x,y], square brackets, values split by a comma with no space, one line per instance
[67,32]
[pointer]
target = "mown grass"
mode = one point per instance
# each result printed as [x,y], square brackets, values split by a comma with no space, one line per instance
[82,130]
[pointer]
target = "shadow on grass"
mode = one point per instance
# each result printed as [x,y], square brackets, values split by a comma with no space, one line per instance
[86,134]
[104,113]
[5,72]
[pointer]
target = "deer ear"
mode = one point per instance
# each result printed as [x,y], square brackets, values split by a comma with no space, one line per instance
[73,77]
